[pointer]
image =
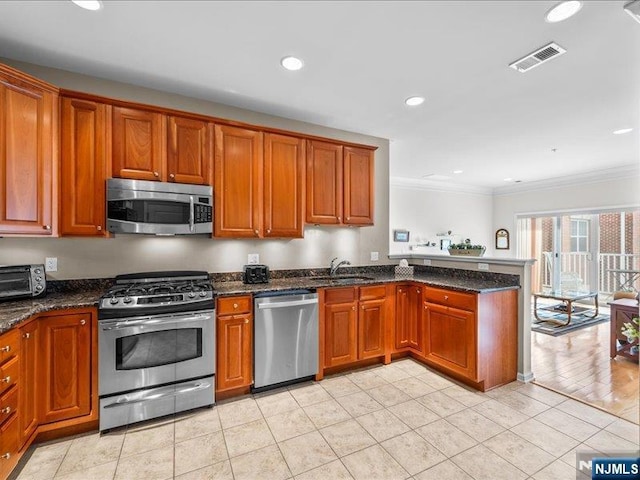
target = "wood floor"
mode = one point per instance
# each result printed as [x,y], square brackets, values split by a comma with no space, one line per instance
[579,365]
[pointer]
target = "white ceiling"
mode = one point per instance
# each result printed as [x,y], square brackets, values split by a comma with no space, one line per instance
[362,59]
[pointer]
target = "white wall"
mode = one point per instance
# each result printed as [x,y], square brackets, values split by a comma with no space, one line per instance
[95,258]
[427,211]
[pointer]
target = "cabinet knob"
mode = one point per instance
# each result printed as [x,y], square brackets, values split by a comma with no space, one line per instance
[446,297]
[246,320]
[268,230]
[339,219]
[399,290]
[6,379]
[47,227]
[6,410]
[418,290]
[348,218]
[171,175]
[256,232]
[6,348]
[156,174]
[5,456]
[353,308]
[83,322]
[99,228]
[27,335]
[363,307]
[235,305]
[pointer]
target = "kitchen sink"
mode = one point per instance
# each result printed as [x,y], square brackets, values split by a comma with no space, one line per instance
[342,279]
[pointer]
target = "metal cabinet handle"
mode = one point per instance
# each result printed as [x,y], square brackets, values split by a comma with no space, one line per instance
[256,232]
[246,320]
[339,219]
[268,230]
[418,290]
[6,456]
[6,348]
[348,218]
[99,228]
[235,305]
[353,308]
[6,379]
[27,335]
[446,297]
[156,174]
[363,307]
[47,227]
[83,321]
[6,410]
[171,175]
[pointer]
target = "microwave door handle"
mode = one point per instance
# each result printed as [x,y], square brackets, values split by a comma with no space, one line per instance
[191,213]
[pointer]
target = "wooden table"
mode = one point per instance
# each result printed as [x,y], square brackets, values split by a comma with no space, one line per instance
[566,298]
[622,311]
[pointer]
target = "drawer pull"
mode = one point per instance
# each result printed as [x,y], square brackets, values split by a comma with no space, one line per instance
[6,456]
[156,174]
[47,227]
[27,335]
[99,228]
[6,410]
[172,176]
[6,348]
[235,305]
[6,379]
[446,297]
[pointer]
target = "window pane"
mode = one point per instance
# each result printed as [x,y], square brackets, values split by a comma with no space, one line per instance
[574,227]
[582,228]
[574,244]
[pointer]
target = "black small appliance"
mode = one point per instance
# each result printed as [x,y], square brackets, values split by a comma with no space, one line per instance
[255,274]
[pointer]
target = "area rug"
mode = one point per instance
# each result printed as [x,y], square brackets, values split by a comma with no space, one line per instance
[577,322]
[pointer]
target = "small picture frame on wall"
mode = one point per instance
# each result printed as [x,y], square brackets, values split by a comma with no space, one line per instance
[401,235]
[502,239]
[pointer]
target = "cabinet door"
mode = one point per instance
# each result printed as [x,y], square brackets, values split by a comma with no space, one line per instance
[341,341]
[324,183]
[83,167]
[138,144]
[283,186]
[371,318]
[414,322]
[65,377]
[450,339]
[28,157]
[189,156]
[358,186]
[234,351]
[237,191]
[401,330]
[28,393]
[9,445]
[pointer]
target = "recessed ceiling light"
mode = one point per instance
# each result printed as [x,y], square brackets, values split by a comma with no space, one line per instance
[292,63]
[414,101]
[622,131]
[508,179]
[562,11]
[457,171]
[89,4]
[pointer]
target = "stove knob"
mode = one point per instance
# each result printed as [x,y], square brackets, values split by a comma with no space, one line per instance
[39,287]
[127,300]
[38,279]
[113,300]
[37,271]
[203,294]
[192,294]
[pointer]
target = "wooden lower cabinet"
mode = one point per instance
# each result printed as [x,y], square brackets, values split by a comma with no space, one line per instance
[9,445]
[65,367]
[408,319]
[354,324]
[28,398]
[234,344]
[10,360]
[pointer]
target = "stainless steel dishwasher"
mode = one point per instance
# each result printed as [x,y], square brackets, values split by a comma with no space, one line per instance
[285,337]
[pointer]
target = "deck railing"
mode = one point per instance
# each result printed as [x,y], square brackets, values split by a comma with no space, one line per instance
[577,263]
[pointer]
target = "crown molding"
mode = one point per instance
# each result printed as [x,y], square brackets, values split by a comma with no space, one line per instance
[594,176]
[438,186]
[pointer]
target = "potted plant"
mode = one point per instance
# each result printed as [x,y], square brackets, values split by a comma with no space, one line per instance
[630,330]
[467,248]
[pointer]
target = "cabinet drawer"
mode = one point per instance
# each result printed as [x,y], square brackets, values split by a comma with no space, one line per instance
[9,344]
[373,292]
[233,305]
[8,404]
[450,298]
[9,374]
[340,295]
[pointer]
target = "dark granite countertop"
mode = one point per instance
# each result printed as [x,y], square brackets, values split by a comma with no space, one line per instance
[86,293]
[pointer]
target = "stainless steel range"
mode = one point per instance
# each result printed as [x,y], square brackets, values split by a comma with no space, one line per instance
[156,346]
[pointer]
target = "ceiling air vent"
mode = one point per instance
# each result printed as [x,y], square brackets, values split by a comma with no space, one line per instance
[538,57]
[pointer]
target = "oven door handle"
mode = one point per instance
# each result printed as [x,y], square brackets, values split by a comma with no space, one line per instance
[157,393]
[192,214]
[295,303]
[105,326]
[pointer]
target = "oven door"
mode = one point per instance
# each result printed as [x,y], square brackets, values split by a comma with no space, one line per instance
[142,352]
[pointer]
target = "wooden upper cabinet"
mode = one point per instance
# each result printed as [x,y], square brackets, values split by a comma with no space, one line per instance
[138,144]
[284,165]
[84,154]
[28,157]
[189,153]
[358,186]
[324,183]
[238,188]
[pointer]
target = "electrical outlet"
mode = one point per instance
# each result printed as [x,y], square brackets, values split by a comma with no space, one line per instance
[374,256]
[51,264]
[426,262]
[483,266]
[253,258]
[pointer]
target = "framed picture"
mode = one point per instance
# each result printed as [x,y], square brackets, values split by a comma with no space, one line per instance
[502,239]
[401,235]
[445,243]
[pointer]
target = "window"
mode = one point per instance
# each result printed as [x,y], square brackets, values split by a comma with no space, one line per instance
[579,235]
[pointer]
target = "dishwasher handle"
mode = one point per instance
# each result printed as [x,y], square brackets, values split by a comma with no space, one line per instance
[294,303]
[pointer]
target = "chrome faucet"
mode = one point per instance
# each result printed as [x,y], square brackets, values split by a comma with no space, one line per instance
[335,266]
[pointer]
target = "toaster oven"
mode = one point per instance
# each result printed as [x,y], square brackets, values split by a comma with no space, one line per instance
[22,281]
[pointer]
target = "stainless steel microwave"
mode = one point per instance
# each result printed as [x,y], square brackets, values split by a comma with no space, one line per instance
[21,281]
[158,208]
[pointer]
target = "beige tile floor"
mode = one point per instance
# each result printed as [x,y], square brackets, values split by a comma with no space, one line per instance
[395,421]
